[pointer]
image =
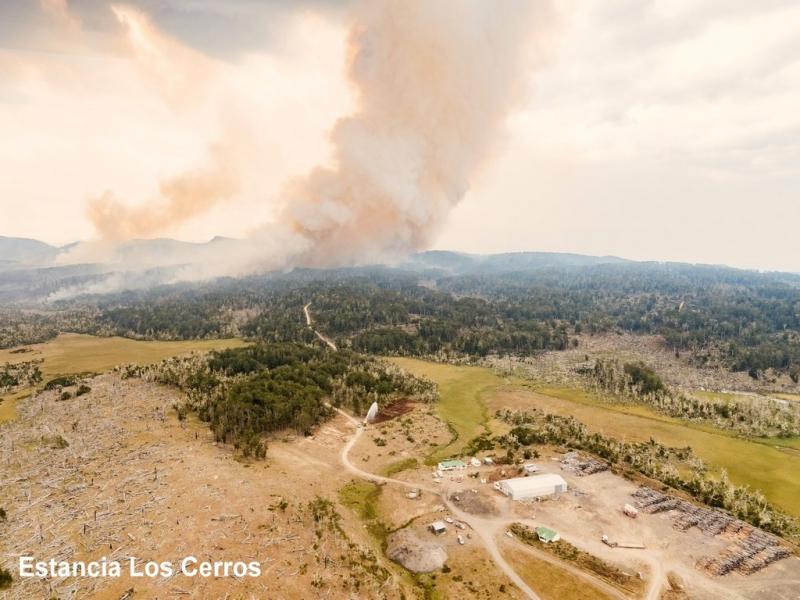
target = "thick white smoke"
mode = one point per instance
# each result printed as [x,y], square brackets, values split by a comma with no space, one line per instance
[434,82]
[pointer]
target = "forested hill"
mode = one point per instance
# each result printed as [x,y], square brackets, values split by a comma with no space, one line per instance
[453,303]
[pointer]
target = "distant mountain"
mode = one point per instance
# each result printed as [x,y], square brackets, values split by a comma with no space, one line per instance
[31,270]
[24,251]
[461,263]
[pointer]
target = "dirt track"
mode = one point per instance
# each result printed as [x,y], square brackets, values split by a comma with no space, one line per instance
[310,325]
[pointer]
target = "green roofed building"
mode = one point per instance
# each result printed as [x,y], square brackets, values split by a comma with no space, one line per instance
[547,535]
[452,465]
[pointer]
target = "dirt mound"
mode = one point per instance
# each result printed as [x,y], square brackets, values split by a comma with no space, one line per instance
[417,555]
[473,502]
[395,409]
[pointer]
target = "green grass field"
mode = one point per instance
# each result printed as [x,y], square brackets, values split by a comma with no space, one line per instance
[400,466]
[468,394]
[461,404]
[72,353]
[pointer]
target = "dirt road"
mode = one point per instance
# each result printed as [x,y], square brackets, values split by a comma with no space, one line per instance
[310,325]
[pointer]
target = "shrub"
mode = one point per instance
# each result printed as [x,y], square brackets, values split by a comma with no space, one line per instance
[5,579]
[644,378]
[64,381]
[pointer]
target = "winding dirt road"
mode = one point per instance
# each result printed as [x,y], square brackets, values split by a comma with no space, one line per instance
[310,325]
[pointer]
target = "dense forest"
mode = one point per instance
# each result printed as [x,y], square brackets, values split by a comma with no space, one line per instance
[742,320]
[247,392]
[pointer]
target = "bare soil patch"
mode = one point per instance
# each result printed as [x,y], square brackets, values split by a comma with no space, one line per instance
[394,410]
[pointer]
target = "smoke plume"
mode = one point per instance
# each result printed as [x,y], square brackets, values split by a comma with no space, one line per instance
[181,198]
[435,81]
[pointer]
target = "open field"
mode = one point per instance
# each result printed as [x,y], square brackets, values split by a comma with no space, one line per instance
[462,404]
[551,581]
[72,353]
[75,353]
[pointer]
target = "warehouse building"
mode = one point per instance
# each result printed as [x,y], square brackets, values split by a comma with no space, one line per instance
[535,486]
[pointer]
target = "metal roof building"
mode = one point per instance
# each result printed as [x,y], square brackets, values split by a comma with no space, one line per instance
[535,486]
[438,527]
[547,535]
[452,465]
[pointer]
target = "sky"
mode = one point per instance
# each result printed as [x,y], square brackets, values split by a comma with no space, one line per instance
[649,129]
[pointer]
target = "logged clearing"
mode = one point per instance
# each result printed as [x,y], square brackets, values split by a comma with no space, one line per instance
[462,405]
[72,353]
[114,473]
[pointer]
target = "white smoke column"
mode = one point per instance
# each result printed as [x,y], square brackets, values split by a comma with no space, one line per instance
[181,75]
[435,79]
[180,198]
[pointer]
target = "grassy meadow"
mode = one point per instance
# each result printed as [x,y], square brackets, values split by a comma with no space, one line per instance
[72,353]
[462,405]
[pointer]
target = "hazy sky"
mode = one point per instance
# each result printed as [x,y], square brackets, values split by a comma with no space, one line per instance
[664,130]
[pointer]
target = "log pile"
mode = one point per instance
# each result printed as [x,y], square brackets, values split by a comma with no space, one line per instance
[752,549]
[582,465]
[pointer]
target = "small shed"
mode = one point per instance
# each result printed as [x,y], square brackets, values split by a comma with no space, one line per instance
[475,462]
[437,527]
[547,535]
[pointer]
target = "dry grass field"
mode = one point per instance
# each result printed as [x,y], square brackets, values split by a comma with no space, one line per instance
[72,353]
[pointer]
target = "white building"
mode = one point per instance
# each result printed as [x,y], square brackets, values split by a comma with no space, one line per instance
[372,413]
[437,527]
[535,486]
[451,465]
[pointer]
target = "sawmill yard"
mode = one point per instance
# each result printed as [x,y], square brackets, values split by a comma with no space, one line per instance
[116,473]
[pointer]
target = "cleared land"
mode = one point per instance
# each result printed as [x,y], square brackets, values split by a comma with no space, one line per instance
[72,354]
[132,480]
